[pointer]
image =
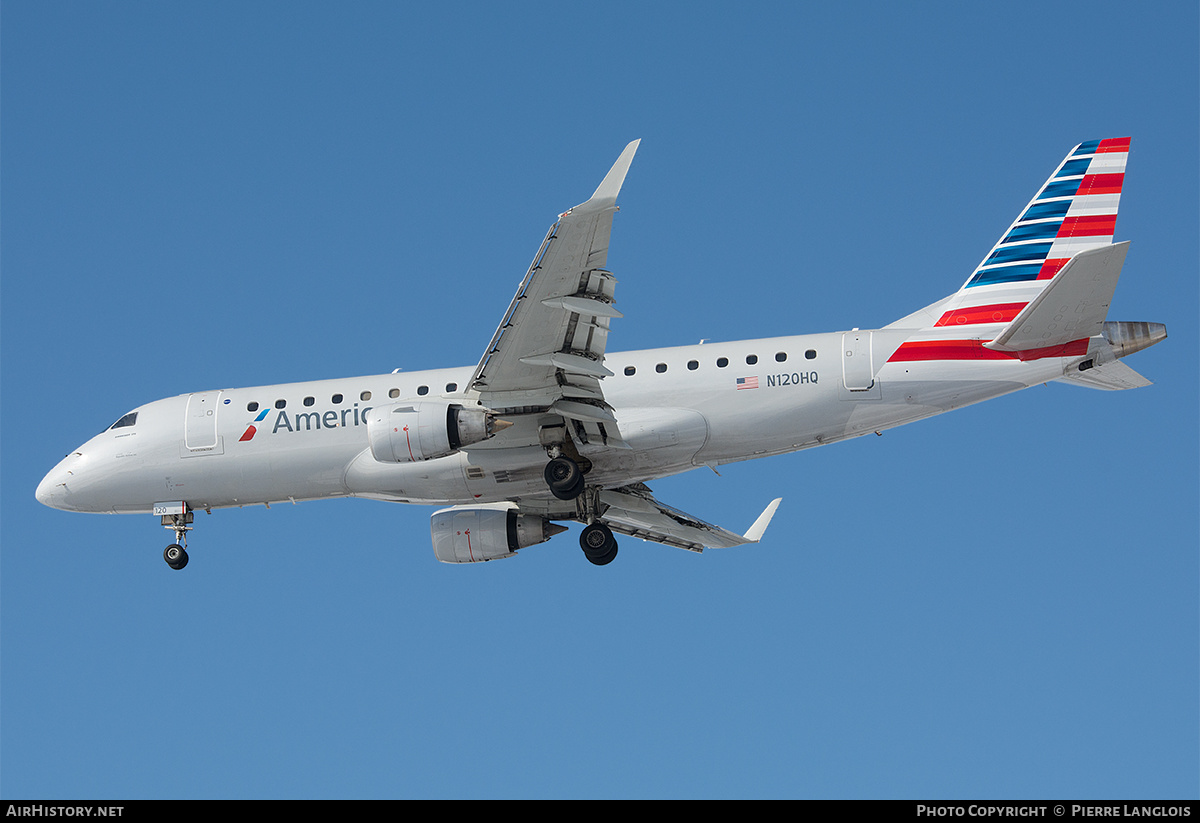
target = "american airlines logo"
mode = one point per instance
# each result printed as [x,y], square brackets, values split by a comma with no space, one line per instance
[308,421]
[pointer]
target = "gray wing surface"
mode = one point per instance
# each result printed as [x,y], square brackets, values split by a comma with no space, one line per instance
[633,510]
[548,353]
[547,358]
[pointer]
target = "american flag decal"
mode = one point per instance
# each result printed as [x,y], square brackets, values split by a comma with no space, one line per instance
[747,383]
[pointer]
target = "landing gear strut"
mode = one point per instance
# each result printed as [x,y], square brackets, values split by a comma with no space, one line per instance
[176,554]
[598,544]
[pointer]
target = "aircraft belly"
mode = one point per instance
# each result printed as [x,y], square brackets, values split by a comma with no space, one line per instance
[442,480]
[904,402]
[305,474]
[772,420]
[830,416]
[255,474]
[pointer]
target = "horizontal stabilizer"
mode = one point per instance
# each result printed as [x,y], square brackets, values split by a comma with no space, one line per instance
[1112,376]
[1073,307]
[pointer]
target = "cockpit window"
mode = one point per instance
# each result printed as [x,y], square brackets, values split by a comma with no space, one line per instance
[125,422]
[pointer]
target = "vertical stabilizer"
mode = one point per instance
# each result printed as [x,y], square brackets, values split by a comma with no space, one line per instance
[1074,211]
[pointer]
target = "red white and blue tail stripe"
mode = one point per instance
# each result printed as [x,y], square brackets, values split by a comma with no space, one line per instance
[1074,211]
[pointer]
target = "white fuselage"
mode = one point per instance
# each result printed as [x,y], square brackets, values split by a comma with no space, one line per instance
[677,408]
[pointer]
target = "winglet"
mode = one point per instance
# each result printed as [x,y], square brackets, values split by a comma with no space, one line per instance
[610,186]
[755,533]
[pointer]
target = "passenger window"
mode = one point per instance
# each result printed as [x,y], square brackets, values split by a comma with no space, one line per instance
[125,422]
[630,371]
[780,356]
[394,393]
[751,359]
[451,387]
[308,401]
[365,396]
[693,365]
[660,368]
[811,354]
[279,404]
[251,406]
[422,390]
[722,362]
[336,399]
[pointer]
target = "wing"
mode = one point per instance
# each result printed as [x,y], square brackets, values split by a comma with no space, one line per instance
[633,510]
[548,353]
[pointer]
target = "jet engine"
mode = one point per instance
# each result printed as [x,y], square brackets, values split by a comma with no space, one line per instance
[410,432]
[473,534]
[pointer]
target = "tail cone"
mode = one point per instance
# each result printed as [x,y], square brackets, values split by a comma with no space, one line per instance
[1127,338]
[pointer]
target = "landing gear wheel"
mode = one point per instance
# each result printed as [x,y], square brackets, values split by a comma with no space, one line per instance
[564,477]
[175,556]
[598,544]
[604,559]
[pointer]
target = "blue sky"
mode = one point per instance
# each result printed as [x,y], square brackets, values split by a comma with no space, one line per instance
[1001,602]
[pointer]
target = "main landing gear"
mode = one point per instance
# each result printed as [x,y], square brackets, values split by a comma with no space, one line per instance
[176,554]
[564,477]
[598,544]
[597,541]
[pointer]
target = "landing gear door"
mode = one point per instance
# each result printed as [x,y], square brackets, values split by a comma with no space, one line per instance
[200,422]
[857,371]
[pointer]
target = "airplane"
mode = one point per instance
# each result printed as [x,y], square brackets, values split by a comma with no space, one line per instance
[551,427]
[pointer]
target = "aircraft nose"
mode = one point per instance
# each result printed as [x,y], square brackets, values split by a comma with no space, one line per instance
[53,491]
[47,489]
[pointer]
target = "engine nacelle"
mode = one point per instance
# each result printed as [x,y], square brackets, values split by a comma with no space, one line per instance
[409,432]
[473,534]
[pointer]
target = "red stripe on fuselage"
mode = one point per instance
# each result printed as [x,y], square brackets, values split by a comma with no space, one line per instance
[918,350]
[1073,349]
[944,350]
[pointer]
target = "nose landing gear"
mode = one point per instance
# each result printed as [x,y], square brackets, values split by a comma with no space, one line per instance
[176,554]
